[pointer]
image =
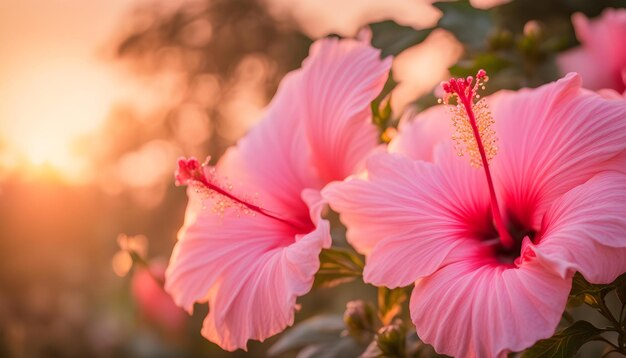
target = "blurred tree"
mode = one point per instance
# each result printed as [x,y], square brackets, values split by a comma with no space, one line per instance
[215,64]
[220,49]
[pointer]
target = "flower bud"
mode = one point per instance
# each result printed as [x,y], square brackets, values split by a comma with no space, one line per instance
[391,340]
[533,29]
[531,45]
[359,320]
[501,40]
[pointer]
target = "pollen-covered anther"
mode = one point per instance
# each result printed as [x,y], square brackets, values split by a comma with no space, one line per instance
[470,117]
[205,182]
[474,135]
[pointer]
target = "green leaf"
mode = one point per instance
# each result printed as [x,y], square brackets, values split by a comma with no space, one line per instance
[338,266]
[382,119]
[390,303]
[565,343]
[314,330]
[392,38]
[382,113]
[620,288]
[469,25]
[580,286]
[390,84]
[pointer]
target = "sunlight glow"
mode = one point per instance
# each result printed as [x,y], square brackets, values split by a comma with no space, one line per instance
[55,86]
[47,107]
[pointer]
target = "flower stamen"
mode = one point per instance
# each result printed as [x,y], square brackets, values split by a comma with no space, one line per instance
[204,178]
[473,120]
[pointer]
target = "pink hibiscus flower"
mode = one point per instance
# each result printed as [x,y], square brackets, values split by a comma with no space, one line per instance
[153,303]
[492,246]
[253,229]
[601,58]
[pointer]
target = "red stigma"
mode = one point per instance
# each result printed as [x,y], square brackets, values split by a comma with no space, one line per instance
[465,89]
[188,170]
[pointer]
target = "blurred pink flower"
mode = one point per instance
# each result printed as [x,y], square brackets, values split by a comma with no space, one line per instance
[153,302]
[253,229]
[486,4]
[601,58]
[492,279]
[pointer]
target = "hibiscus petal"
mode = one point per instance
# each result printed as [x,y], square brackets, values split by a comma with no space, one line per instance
[479,308]
[232,261]
[552,139]
[274,155]
[209,244]
[408,216]
[338,82]
[419,134]
[256,298]
[584,230]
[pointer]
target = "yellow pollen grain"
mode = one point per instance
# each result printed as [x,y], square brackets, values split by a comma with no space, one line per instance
[465,142]
[222,203]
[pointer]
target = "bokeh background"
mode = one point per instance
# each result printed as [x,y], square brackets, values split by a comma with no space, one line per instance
[99,98]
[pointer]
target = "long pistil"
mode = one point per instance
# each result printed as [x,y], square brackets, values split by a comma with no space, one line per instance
[465,91]
[191,171]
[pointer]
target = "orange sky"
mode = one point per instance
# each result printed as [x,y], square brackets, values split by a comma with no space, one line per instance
[53,85]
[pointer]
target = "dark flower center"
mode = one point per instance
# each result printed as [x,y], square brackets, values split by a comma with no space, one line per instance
[517,232]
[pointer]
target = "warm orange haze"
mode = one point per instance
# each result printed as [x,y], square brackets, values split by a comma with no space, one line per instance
[54,86]
[99,99]
[58,83]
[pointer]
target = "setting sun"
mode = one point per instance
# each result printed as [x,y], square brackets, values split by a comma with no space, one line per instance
[47,111]
[54,88]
